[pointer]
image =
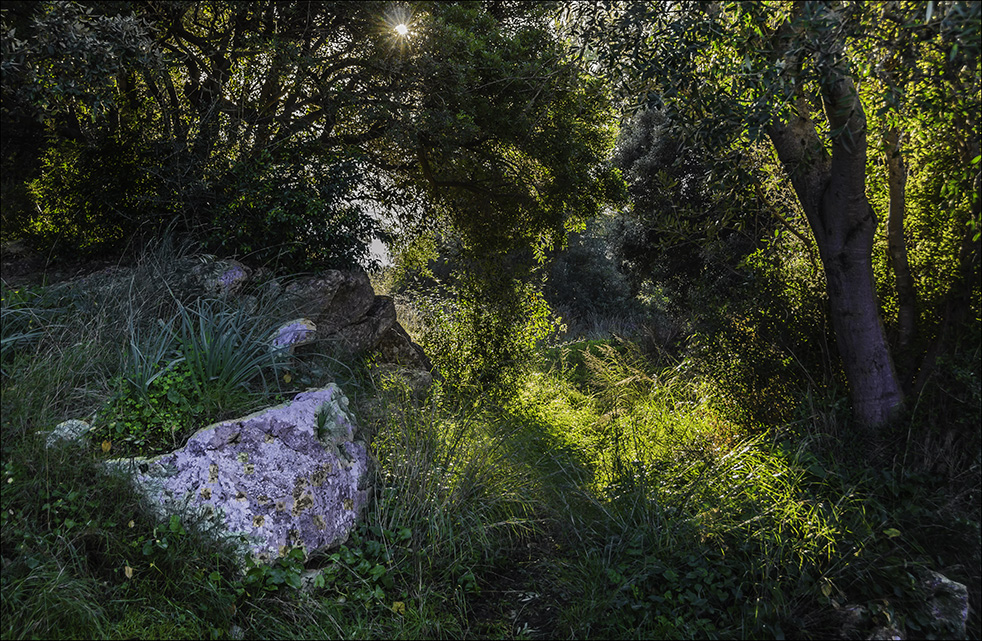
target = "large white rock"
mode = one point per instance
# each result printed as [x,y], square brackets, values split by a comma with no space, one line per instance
[291,475]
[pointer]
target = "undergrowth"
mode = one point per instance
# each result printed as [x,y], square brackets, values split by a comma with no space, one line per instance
[609,498]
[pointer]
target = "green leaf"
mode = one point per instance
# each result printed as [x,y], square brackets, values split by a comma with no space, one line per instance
[892,532]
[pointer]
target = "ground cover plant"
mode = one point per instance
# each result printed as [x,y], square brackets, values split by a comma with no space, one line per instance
[699,282]
[609,498]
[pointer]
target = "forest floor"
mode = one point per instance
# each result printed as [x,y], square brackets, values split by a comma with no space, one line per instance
[609,497]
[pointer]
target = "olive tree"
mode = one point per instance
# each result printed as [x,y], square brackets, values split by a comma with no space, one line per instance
[793,75]
[271,125]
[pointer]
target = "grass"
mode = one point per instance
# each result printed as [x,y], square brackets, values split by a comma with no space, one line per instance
[609,498]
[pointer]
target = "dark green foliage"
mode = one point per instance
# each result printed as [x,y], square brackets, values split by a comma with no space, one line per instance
[770,371]
[585,277]
[97,197]
[695,211]
[482,334]
[287,214]
[160,419]
[273,147]
[25,315]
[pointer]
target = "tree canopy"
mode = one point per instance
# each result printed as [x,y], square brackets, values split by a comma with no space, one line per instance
[290,122]
[817,80]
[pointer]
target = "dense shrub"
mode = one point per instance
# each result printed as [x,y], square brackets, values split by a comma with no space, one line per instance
[304,216]
[93,198]
[585,277]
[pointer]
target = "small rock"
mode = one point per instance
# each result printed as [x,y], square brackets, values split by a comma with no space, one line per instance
[293,334]
[221,277]
[70,430]
[947,601]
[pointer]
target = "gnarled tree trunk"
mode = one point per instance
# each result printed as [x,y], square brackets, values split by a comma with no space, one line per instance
[832,191]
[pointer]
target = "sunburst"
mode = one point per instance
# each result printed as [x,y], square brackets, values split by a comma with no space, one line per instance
[398,19]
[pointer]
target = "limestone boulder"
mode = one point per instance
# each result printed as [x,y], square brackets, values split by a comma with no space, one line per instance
[291,475]
[396,347]
[332,300]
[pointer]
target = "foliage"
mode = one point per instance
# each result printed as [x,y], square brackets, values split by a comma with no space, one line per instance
[175,379]
[159,419]
[282,213]
[24,317]
[699,529]
[585,278]
[728,76]
[690,221]
[276,145]
[482,333]
[96,197]
[224,349]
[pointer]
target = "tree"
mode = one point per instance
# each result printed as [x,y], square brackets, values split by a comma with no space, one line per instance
[743,72]
[253,124]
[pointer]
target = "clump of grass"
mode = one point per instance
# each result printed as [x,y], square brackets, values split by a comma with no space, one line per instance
[609,499]
[698,528]
[216,363]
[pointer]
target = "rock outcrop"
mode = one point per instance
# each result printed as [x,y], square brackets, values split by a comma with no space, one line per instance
[350,319]
[943,602]
[293,475]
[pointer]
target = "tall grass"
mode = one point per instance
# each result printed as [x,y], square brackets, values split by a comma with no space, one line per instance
[608,499]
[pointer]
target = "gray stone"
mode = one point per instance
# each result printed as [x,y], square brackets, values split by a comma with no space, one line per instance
[70,430]
[396,347]
[365,333]
[293,334]
[221,277]
[291,475]
[351,319]
[947,601]
[332,300]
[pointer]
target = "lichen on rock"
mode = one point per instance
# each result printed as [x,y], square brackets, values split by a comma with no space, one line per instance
[269,477]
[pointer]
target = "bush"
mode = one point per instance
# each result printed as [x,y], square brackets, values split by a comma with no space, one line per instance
[95,198]
[585,277]
[302,216]
[482,336]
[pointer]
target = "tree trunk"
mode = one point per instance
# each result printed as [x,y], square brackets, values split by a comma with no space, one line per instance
[897,245]
[832,191]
